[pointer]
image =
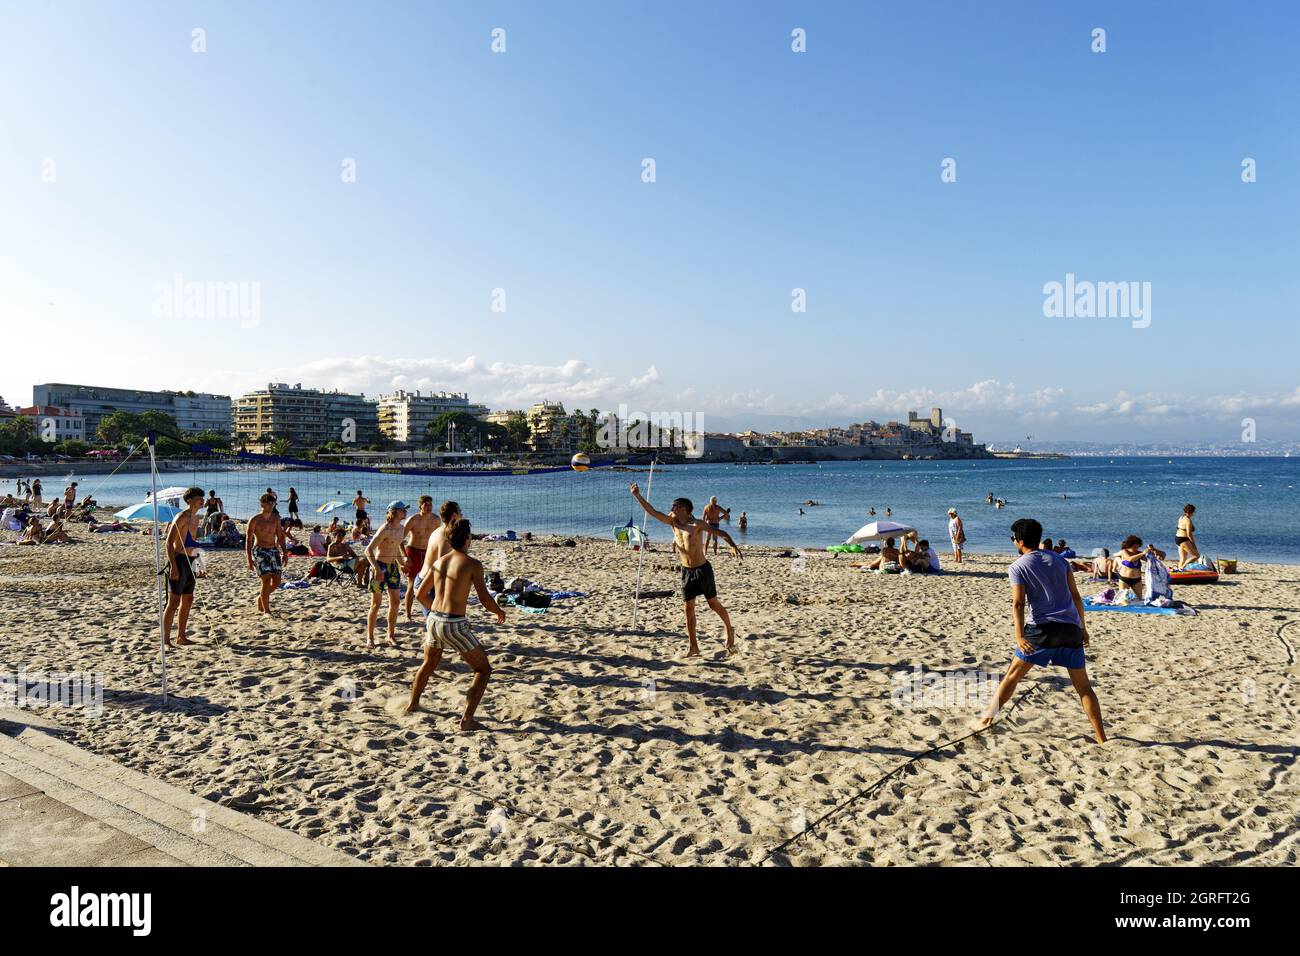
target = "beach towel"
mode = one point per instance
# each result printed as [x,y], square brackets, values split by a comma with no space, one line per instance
[1178,608]
[295,585]
[1155,580]
[846,548]
[516,601]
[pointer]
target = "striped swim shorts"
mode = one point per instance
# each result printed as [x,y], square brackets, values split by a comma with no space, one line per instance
[450,632]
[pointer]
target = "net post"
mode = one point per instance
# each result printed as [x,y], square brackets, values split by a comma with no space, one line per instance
[157,560]
[645,519]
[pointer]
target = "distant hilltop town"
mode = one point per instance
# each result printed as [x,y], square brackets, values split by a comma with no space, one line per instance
[296,421]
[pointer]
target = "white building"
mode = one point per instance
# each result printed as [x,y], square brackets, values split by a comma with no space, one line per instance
[193,411]
[56,424]
[405,416]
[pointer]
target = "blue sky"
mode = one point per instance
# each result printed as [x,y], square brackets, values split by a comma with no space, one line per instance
[521,171]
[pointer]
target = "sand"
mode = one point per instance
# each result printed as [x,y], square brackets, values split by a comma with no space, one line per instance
[605,747]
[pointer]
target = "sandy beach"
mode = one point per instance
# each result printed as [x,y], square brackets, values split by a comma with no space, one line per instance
[605,747]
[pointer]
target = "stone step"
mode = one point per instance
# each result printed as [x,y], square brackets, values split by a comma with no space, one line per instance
[183,828]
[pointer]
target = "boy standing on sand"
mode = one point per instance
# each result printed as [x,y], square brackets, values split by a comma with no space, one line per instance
[1053,629]
[384,553]
[690,535]
[452,575]
[418,529]
[265,540]
[180,570]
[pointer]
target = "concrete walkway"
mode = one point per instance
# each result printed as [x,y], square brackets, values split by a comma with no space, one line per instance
[61,805]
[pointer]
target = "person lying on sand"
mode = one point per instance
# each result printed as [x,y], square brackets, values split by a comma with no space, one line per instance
[697,574]
[99,527]
[450,577]
[1047,614]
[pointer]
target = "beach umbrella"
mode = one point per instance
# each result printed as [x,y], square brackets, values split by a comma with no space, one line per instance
[144,512]
[331,506]
[879,531]
[175,491]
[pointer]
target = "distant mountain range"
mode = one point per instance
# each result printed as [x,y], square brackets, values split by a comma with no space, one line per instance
[1156,449]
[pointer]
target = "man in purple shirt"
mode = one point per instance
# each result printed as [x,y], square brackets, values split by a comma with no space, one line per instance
[1047,612]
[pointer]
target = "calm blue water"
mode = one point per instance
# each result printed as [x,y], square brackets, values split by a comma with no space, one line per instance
[1245,506]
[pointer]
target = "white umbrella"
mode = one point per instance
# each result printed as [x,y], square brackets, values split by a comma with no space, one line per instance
[879,531]
[174,492]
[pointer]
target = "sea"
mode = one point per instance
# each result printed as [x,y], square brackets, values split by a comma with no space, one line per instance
[1246,508]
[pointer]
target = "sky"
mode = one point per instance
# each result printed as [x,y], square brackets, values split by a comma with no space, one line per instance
[499,236]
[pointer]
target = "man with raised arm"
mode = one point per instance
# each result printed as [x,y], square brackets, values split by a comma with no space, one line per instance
[690,535]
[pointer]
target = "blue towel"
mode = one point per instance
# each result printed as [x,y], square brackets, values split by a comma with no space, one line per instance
[1136,608]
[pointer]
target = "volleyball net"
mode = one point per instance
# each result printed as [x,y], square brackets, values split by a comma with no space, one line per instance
[545,501]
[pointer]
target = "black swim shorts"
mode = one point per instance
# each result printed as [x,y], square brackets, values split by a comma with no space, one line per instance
[698,582]
[184,581]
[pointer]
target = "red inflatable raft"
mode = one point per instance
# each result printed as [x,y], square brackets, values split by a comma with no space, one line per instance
[1192,577]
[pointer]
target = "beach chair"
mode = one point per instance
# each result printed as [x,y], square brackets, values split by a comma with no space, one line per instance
[629,536]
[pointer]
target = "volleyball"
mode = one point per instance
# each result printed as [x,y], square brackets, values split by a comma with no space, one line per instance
[580,462]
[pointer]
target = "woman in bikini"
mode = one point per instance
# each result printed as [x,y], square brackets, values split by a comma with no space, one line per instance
[1128,562]
[1185,538]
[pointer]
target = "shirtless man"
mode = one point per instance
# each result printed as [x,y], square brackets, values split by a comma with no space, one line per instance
[437,546]
[265,539]
[697,574]
[713,513]
[70,498]
[418,529]
[451,576]
[180,570]
[384,555]
[360,502]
